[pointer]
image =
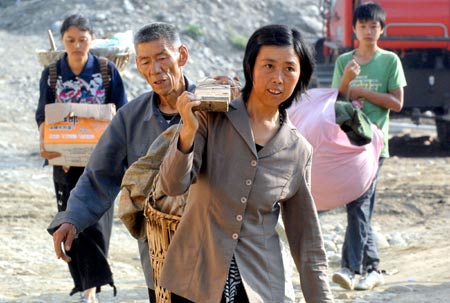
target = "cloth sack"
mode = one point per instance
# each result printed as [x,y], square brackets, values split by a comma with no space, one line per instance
[140,186]
[341,171]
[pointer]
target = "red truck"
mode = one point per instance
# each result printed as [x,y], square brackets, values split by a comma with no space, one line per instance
[418,31]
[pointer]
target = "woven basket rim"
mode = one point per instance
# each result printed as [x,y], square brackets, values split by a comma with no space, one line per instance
[151,211]
[120,49]
[120,56]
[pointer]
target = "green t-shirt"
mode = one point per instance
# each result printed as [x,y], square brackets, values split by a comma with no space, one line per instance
[381,74]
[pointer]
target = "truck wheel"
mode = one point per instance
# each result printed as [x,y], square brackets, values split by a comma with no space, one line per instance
[443,131]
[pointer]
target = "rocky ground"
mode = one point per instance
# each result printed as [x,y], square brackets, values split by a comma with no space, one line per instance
[411,216]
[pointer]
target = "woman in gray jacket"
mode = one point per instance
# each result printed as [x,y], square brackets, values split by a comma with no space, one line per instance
[242,167]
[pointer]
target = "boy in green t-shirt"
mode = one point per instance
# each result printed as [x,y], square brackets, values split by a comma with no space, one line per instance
[375,77]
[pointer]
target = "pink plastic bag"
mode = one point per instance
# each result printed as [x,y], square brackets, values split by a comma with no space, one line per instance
[341,172]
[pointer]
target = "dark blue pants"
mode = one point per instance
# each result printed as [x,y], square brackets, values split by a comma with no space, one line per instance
[359,251]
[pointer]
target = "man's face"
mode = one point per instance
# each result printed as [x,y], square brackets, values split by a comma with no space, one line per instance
[160,62]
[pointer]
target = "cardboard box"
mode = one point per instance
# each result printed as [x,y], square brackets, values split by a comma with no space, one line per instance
[73,129]
[214,97]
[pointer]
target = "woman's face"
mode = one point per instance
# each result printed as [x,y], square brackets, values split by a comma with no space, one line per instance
[77,43]
[275,74]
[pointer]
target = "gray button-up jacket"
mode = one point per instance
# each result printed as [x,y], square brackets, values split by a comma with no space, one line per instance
[126,139]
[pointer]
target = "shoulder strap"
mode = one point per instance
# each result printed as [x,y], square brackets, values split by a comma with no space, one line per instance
[53,75]
[105,73]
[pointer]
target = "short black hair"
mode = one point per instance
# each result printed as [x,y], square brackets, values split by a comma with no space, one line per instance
[78,21]
[156,31]
[369,11]
[278,35]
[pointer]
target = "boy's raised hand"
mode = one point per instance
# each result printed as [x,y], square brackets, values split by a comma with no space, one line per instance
[352,70]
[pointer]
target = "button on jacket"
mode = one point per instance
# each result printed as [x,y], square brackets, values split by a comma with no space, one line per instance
[232,209]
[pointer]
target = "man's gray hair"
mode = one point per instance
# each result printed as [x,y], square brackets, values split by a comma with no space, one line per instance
[156,31]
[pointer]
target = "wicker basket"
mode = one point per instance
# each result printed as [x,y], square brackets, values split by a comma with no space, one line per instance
[160,229]
[119,56]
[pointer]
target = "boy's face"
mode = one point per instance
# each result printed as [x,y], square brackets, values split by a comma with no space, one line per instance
[368,32]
